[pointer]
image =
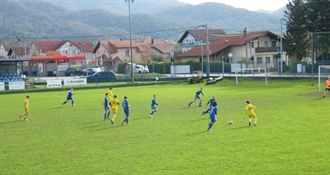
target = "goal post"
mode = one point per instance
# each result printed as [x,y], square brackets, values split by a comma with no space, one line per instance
[323,73]
[251,72]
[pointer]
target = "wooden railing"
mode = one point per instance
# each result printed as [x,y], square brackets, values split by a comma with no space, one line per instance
[265,49]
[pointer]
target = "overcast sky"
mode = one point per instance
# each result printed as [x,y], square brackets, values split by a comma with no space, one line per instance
[252,5]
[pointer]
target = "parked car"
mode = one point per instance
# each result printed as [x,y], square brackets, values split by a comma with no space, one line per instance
[139,68]
[73,72]
[91,71]
[102,77]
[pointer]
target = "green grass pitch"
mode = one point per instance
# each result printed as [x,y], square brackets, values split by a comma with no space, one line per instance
[292,136]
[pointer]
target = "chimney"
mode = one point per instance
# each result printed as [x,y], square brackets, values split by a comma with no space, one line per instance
[152,41]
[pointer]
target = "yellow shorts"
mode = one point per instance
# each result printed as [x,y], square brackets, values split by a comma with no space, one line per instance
[114,109]
[26,110]
[252,116]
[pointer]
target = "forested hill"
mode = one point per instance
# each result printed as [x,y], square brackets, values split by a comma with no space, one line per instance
[65,19]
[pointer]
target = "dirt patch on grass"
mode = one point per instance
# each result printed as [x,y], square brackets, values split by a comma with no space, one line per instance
[316,94]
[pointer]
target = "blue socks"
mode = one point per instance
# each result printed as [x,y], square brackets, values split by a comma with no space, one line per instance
[126,120]
[210,126]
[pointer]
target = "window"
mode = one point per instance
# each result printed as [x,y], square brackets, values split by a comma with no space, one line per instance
[259,60]
[273,43]
[252,44]
[267,59]
[127,53]
[258,44]
[266,44]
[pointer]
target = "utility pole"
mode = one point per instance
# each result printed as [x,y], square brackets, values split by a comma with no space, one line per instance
[130,38]
[246,51]
[207,51]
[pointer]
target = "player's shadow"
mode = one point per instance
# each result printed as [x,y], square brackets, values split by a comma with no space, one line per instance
[241,127]
[105,128]
[87,123]
[142,118]
[9,122]
[200,119]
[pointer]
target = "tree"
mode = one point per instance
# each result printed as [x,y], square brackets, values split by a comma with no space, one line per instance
[296,42]
[157,58]
[319,24]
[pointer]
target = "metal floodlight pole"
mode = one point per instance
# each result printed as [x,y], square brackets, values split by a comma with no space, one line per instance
[312,43]
[281,50]
[130,38]
[207,51]
[202,59]
[223,66]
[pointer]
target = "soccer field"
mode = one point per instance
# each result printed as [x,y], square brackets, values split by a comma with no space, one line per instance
[292,136]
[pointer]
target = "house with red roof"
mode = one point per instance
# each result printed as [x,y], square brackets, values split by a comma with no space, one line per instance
[64,47]
[260,47]
[192,38]
[112,52]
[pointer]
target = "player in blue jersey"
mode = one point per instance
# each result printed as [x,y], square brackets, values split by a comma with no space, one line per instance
[69,97]
[197,96]
[126,110]
[105,103]
[153,106]
[213,113]
[211,103]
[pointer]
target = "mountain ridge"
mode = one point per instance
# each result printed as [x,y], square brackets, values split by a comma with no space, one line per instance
[48,19]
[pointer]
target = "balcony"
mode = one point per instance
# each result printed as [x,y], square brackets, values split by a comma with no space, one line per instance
[265,49]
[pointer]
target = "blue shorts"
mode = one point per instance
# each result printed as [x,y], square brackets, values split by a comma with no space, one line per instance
[153,108]
[106,108]
[69,98]
[197,97]
[213,119]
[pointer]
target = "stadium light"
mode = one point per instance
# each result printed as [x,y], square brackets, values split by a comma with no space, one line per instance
[130,38]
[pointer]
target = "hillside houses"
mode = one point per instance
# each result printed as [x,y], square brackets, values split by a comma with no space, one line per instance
[258,47]
[112,52]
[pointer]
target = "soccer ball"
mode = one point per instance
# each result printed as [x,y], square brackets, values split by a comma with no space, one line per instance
[230,122]
[156,78]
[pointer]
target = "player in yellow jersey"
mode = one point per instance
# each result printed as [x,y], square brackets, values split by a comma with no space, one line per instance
[114,103]
[250,112]
[26,109]
[109,92]
[327,87]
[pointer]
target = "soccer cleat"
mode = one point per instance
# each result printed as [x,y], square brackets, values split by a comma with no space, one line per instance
[203,113]
[122,123]
[150,116]
[208,130]
[189,104]
[323,96]
[255,124]
[20,117]
[249,123]
[112,121]
[200,105]
[25,119]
